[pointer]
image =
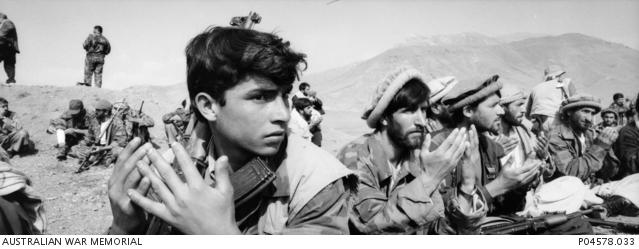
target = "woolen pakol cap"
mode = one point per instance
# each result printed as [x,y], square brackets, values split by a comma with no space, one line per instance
[440,87]
[579,101]
[511,93]
[553,71]
[75,106]
[385,92]
[471,91]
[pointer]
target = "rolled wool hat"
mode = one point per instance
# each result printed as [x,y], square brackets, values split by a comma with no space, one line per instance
[440,87]
[385,92]
[511,93]
[478,89]
[580,100]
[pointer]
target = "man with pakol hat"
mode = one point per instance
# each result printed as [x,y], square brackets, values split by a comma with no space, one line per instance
[107,130]
[71,128]
[398,176]
[546,97]
[575,147]
[438,115]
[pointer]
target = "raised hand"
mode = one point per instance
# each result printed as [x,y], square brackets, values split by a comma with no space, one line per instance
[608,136]
[509,144]
[471,161]
[511,176]
[127,216]
[439,162]
[192,206]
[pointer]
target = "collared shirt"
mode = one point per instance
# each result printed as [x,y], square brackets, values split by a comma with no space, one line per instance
[571,156]
[402,202]
[546,97]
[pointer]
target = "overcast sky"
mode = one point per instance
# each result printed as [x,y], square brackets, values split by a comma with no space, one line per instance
[148,37]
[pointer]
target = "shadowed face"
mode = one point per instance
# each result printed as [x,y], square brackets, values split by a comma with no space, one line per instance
[487,115]
[581,119]
[406,127]
[4,108]
[609,119]
[514,112]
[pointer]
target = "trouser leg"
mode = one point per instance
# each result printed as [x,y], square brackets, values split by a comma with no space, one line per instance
[10,67]
[89,67]
[17,142]
[98,74]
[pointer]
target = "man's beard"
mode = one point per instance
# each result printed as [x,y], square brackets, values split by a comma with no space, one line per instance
[404,140]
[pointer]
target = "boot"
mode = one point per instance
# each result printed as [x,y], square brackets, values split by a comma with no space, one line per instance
[62,153]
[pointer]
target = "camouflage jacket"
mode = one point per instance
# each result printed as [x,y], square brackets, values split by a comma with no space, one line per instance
[126,116]
[571,158]
[97,45]
[9,123]
[405,204]
[182,122]
[66,120]
[115,134]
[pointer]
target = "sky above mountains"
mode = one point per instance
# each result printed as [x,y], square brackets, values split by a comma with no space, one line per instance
[148,37]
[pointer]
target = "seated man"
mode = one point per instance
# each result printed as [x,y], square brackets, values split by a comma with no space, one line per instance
[627,146]
[398,175]
[302,111]
[21,212]
[238,80]
[575,147]
[13,138]
[107,130]
[176,123]
[71,129]
[136,122]
[526,147]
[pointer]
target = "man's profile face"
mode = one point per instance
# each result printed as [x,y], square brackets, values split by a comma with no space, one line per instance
[487,115]
[306,90]
[96,32]
[514,112]
[581,119]
[254,117]
[4,108]
[619,101]
[308,111]
[609,119]
[407,127]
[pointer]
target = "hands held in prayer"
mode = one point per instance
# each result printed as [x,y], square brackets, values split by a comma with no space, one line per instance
[192,206]
[508,143]
[439,162]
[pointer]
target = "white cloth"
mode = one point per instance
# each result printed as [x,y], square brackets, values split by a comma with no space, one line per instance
[628,187]
[564,194]
[103,127]
[298,126]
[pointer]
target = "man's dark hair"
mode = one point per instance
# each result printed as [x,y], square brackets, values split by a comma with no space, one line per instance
[617,96]
[303,86]
[410,96]
[98,27]
[301,103]
[3,101]
[220,57]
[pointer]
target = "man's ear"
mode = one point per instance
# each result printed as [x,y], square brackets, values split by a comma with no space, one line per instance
[434,108]
[468,111]
[207,106]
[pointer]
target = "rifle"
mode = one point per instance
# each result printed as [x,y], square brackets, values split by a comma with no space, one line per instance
[532,224]
[93,158]
[621,226]
[142,133]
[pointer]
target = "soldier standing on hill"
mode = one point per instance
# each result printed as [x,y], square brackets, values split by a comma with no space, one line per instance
[97,47]
[8,47]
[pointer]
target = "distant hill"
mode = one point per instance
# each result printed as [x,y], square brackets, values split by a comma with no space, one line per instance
[597,66]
